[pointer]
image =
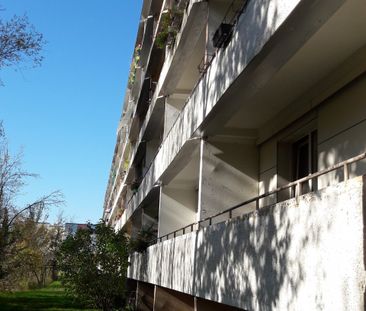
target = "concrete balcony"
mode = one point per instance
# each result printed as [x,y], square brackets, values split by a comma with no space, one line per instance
[198,105]
[151,123]
[179,55]
[305,253]
[147,40]
[246,84]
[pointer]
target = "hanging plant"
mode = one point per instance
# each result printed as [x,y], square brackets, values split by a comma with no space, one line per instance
[162,36]
[170,26]
[135,64]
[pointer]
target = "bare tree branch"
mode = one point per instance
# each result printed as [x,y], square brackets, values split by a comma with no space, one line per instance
[13,219]
[19,42]
[53,199]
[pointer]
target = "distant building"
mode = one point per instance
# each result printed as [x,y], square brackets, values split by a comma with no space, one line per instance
[230,107]
[72,228]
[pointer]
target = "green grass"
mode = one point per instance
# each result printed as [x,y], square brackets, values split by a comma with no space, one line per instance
[52,297]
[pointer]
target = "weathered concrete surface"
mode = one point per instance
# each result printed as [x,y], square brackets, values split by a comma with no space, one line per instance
[258,24]
[301,254]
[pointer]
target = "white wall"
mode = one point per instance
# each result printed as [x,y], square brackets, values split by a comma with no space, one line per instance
[340,122]
[342,130]
[178,208]
[229,176]
[173,107]
[267,171]
[304,254]
[222,72]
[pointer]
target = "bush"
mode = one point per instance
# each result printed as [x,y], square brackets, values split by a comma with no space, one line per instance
[93,265]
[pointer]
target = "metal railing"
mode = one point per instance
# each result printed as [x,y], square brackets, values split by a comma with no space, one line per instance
[296,185]
[207,65]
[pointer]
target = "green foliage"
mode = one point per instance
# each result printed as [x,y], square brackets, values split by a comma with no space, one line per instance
[135,64]
[94,266]
[143,240]
[170,25]
[162,37]
[25,243]
[53,297]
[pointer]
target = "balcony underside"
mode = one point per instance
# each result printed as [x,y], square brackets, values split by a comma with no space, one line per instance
[247,84]
[285,257]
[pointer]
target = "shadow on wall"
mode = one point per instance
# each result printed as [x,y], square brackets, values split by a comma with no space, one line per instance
[257,23]
[266,262]
[296,255]
[213,84]
[304,253]
[338,151]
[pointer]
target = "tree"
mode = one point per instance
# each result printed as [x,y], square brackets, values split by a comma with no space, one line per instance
[94,265]
[13,219]
[35,253]
[20,42]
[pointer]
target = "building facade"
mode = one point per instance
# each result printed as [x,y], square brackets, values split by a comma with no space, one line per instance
[241,148]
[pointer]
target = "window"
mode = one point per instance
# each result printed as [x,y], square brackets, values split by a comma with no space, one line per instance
[304,159]
[297,158]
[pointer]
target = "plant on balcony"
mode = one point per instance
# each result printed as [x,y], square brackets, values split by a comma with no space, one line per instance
[135,64]
[135,186]
[119,213]
[126,164]
[113,175]
[170,26]
[143,239]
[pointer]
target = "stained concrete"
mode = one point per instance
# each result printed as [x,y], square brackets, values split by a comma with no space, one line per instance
[301,254]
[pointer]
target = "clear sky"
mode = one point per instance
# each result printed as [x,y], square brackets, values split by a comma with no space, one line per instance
[64,114]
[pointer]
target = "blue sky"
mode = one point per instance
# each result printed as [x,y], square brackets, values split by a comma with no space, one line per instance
[64,114]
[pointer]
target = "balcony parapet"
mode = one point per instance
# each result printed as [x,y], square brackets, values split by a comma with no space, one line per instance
[147,52]
[192,17]
[192,22]
[294,189]
[124,123]
[284,257]
[154,109]
[176,56]
[199,105]
[147,40]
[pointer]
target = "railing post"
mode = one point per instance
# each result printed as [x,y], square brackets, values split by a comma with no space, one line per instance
[294,187]
[345,171]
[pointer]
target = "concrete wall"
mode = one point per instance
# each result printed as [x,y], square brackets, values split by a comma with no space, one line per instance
[225,68]
[152,147]
[301,254]
[341,130]
[206,305]
[168,300]
[229,176]
[173,107]
[340,122]
[267,171]
[178,208]
[145,296]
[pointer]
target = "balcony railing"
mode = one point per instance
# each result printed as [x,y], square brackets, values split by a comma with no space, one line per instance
[205,63]
[295,186]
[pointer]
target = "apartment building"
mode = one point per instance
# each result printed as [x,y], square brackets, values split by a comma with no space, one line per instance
[241,147]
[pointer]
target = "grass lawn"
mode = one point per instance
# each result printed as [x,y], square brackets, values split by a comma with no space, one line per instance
[50,298]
